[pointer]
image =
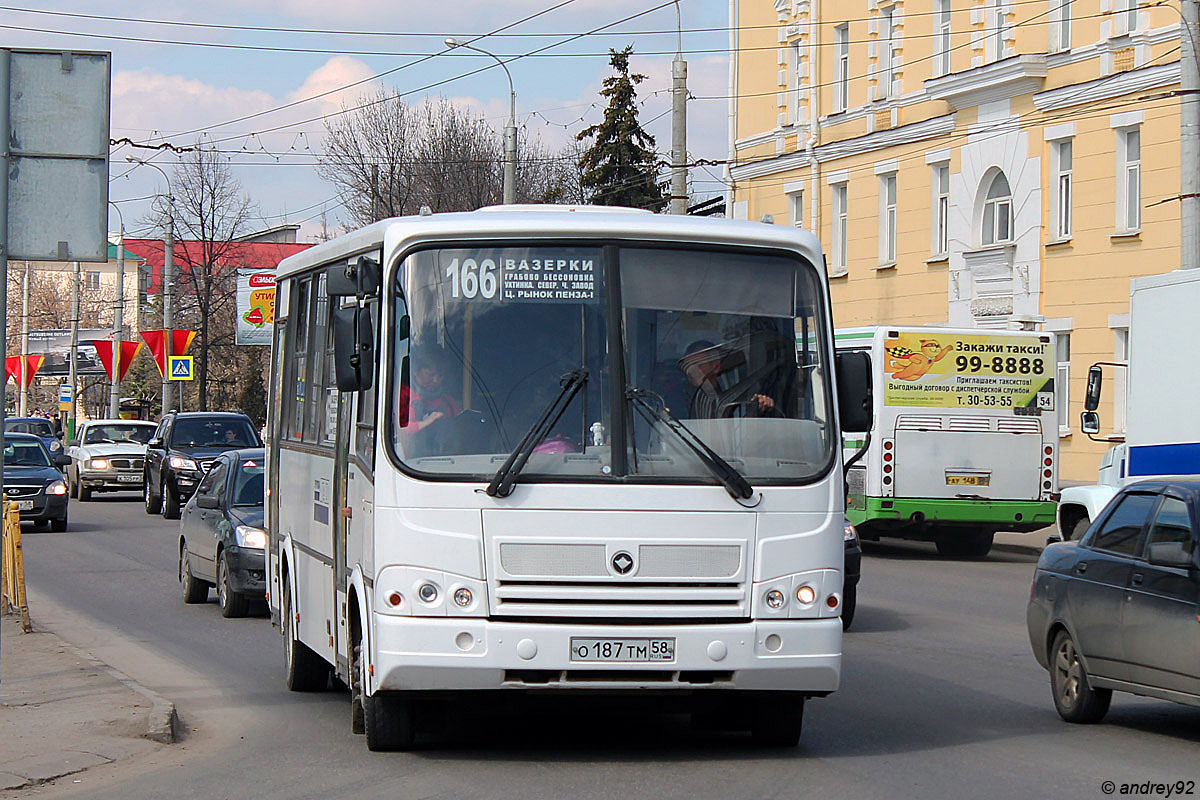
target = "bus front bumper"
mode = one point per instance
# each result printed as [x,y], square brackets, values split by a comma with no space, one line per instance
[1001,515]
[422,654]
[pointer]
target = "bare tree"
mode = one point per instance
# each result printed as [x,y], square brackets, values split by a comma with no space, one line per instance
[210,214]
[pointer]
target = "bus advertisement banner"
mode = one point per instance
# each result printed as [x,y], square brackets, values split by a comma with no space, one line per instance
[255,306]
[953,370]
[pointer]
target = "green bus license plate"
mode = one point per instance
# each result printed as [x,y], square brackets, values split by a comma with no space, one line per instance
[968,480]
[622,650]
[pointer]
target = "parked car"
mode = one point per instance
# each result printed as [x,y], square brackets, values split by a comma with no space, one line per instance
[1117,609]
[221,537]
[852,570]
[39,427]
[107,455]
[33,481]
[182,448]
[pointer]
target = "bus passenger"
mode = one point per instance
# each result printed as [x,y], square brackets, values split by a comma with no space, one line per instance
[426,401]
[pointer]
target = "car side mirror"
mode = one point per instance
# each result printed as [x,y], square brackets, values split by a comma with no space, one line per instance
[207,501]
[854,391]
[1089,422]
[62,461]
[154,443]
[353,348]
[1169,554]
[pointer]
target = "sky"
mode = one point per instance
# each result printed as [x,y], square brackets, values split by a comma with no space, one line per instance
[284,66]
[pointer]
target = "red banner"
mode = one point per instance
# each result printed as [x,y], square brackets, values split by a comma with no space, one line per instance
[104,348]
[180,343]
[12,369]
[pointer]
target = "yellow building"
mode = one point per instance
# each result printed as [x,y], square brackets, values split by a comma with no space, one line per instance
[975,163]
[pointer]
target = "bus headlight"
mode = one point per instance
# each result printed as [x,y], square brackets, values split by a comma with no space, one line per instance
[797,596]
[775,599]
[419,592]
[463,597]
[428,593]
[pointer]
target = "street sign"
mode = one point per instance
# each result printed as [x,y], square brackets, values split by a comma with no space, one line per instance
[180,368]
[64,393]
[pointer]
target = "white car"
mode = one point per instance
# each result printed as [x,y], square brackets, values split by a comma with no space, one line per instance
[107,456]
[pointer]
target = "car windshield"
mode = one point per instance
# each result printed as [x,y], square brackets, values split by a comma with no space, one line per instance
[117,433]
[248,484]
[38,427]
[728,340]
[24,453]
[213,432]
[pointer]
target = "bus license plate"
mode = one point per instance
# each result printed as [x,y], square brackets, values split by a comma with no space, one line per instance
[623,650]
[968,480]
[129,479]
[24,505]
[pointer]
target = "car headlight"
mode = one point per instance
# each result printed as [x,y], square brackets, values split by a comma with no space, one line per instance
[252,538]
[179,462]
[58,487]
[98,463]
[849,534]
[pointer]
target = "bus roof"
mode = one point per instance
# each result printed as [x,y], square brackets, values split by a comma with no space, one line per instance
[546,221]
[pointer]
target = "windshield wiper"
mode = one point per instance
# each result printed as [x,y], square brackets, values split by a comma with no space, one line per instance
[506,476]
[733,481]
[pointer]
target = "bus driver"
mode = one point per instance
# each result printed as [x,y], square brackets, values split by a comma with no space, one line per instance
[701,363]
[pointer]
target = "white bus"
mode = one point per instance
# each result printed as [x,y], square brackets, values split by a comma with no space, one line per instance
[548,449]
[965,437]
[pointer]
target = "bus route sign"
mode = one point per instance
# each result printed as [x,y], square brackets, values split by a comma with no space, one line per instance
[954,370]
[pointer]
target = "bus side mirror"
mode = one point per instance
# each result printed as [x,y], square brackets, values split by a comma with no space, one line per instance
[1089,422]
[353,348]
[1091,400]
[360,277]
[854,391]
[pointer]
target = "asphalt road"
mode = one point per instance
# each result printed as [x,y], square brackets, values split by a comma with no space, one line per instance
[940,697]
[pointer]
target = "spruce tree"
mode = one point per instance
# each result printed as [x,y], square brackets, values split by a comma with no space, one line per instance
[620,168]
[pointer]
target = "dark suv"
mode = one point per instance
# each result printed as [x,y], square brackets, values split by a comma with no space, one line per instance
[182,448]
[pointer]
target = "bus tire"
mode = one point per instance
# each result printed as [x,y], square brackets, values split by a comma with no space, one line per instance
[357,724]
[778,718]
[849,603]
[305,670]
[388,722]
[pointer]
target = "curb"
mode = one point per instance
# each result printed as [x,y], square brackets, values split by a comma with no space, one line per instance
[164,726]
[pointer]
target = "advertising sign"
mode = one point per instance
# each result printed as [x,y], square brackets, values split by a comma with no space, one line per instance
[981,371]
[56,347]
[255,306]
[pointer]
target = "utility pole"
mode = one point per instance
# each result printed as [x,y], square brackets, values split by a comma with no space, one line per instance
[114,397]
[1189,138]
[168,279]
[679,171]
[74,352]
[24,404]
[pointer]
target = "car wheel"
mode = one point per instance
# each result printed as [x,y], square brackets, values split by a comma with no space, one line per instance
[194,590]
[778,718]
[84,493]
[59,525]
[153,504]
[1074,697]
[306,671]
[1079,529]
[73,485]
[170,503]
[849,603]
[41,524]
[233,604]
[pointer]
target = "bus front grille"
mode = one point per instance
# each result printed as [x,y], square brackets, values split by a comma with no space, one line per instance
[620,599]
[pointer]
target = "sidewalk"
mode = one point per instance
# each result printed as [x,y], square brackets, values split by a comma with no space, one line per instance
[62,712]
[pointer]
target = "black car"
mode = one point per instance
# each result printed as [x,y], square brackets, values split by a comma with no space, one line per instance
[33,480]
[1117,609]
[221,537]
[181,451]
[852,571]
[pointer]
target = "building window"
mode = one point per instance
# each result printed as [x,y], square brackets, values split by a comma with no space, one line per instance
[996,29]
[91,281]
[1060,163]
[1127,16]
[941,59]
[1062,382]
[840,228]
[1129,180]
[841,77]
[796,209]
[1120,378]
[1060,25]
[940,223]
[997,212]
[887,219]
[887,51]
[793,95]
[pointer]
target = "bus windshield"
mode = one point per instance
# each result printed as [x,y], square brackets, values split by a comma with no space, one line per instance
[485,337]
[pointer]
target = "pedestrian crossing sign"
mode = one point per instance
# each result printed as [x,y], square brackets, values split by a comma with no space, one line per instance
[181,368]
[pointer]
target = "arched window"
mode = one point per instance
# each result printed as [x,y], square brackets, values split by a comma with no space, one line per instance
[997,211]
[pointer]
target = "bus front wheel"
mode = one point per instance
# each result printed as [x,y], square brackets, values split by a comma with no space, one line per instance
[388,722]
[778,719]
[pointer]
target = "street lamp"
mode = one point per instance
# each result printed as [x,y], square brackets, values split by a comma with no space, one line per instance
[114,397]
[168,278]
[510,130]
